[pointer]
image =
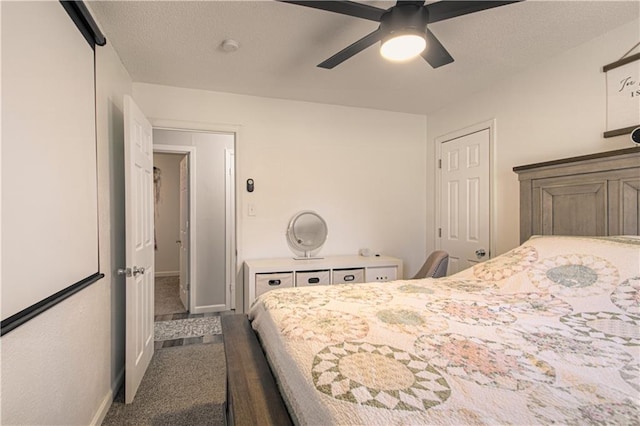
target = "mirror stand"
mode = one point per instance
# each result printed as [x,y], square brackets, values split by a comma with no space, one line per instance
[307,256]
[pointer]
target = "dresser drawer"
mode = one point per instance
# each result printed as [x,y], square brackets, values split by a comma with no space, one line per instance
[262,275]
[309,278]
[348,276]
[382,274]
[271,281]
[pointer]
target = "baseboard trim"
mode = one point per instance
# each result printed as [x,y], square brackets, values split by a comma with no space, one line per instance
[167,274]
[98,418]
[208,308]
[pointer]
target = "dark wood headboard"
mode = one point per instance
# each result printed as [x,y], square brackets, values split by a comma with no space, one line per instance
[593,195]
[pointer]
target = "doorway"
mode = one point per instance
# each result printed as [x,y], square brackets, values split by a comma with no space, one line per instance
[171,245]
[206,237]
[464,201]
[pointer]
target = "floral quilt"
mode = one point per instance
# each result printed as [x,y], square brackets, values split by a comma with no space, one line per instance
[548,332]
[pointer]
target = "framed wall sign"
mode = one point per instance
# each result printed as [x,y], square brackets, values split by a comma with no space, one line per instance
[623,95]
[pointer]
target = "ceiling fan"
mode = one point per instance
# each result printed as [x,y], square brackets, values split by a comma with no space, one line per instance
[403,27]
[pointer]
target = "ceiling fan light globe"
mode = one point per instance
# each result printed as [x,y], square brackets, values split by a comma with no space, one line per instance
[403,47]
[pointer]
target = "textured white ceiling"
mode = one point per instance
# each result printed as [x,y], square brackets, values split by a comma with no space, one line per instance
[177,43]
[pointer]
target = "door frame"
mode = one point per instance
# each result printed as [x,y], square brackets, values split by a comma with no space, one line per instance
[236,131]
[190,152]
[230,192]
[474,128]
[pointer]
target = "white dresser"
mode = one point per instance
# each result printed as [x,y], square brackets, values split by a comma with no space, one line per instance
[262,275]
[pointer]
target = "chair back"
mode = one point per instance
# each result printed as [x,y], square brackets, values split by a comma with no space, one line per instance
[435,266]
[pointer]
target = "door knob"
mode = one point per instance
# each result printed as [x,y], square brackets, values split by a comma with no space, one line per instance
[480,253]
[127,272]
[178,242]
[137,271]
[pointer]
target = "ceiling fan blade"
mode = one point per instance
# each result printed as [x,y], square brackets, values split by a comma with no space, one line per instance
[435,53]
[450,9]
[344,7]
[354,49]
[415,3]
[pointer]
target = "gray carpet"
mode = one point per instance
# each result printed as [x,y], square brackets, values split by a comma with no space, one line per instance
[184,385]
[167,296]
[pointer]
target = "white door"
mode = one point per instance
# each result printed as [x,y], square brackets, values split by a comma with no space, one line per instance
[138,158]
[184,231]
[465,199]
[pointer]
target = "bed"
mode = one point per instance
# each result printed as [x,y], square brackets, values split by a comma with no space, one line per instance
[548,332]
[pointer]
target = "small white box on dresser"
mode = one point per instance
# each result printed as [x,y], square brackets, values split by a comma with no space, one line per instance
[262,275]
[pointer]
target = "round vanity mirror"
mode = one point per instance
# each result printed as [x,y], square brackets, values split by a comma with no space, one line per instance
[306,233]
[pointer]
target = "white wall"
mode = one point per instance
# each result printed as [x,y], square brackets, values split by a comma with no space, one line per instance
[167,215]
[554,110]
[209,284]
[62,366]
[362,170]
[112,82]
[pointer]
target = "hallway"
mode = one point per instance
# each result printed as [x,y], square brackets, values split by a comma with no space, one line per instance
[167,296]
